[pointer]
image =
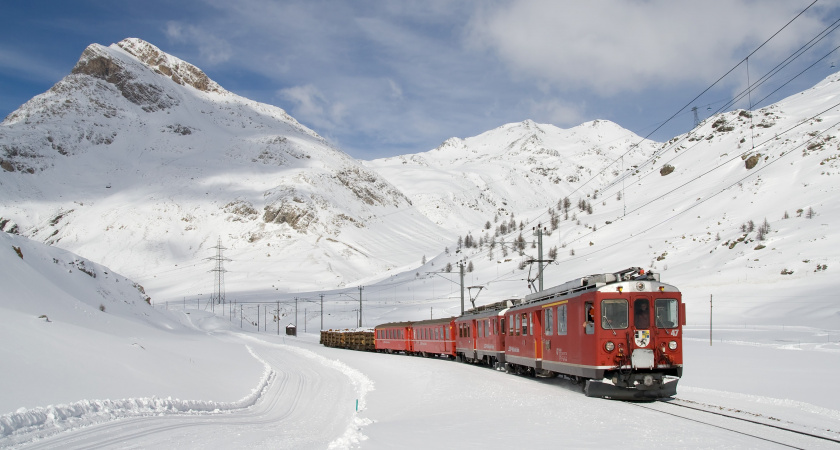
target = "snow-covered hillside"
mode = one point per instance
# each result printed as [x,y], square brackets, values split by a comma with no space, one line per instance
[72,327]
[516,168]
[694,208]
[139,161]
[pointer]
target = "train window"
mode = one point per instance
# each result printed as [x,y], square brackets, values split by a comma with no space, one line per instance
[502,325]
[667,313]
[518,323]
[510,322]
[448,333]
[524,324]
[641,313]
[614,314]
[531,321]
[548,320]
[561,320]
[589,318]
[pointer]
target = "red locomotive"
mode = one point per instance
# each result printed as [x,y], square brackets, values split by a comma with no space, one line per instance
[619,332]
[625,327]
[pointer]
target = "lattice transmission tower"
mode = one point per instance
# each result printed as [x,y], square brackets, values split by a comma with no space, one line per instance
[218,274]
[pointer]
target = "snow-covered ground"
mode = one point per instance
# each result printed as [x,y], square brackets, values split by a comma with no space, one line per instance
[135,376]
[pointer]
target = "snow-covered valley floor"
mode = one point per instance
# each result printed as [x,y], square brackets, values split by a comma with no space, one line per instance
[306,397]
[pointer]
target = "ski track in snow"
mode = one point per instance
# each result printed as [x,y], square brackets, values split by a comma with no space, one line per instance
[280,396]
[46,421]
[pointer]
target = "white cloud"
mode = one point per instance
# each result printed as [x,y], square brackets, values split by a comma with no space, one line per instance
[23,65]
[554,111]
[212,49]
[610,46]
[312,106]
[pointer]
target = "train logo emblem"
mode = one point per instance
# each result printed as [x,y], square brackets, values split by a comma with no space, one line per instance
[642,338]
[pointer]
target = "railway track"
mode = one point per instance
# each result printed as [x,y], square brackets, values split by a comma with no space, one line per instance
[757,428]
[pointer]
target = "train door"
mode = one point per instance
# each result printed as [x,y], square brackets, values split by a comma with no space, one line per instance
[537,330]
[585,352]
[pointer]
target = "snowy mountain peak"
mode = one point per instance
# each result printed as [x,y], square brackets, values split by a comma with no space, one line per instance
[178,70]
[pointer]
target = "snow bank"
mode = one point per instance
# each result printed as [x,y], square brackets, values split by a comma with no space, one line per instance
[56,418]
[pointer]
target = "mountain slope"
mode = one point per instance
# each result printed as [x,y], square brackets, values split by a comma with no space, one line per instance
[138,160]
[516,168]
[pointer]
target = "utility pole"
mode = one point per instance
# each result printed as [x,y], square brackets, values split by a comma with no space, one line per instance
[360,306]
[696,118]
[277,316]
[296,314]
[538,232]
[461,266]
[322,312]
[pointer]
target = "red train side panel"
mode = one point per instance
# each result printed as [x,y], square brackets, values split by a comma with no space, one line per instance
[434,337]
[393,337]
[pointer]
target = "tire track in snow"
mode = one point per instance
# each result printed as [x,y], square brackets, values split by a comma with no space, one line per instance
[300,405]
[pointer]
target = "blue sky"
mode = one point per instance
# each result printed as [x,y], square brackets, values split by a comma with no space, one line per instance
[381,78]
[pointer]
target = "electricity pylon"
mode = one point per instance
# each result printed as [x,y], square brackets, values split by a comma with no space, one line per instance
[218,275]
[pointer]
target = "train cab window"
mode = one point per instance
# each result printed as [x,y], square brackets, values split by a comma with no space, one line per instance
[548,320]
[531,321]
[614,314]
[518,323]
[641,313]
[524,324]
[502,325]
[667,313]
[589,318]
[510,324]
[561,320]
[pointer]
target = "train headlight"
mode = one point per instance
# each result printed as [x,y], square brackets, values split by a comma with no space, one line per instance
[672,345]
[609,346]
[648,380]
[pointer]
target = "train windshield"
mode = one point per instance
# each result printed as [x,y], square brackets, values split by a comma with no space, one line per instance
[614,314]
[667,313]
[641,314]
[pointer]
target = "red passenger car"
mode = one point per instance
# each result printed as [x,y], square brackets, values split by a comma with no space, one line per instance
[434,337]
[481,334]
[393,337]
[624,327]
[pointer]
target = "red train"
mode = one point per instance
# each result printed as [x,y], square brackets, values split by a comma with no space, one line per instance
[620,333]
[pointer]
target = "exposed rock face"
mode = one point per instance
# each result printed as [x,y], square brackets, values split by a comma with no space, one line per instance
[96,63]
[369,188]
[179,71]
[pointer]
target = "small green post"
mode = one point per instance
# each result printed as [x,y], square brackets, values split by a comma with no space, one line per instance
[357,405]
